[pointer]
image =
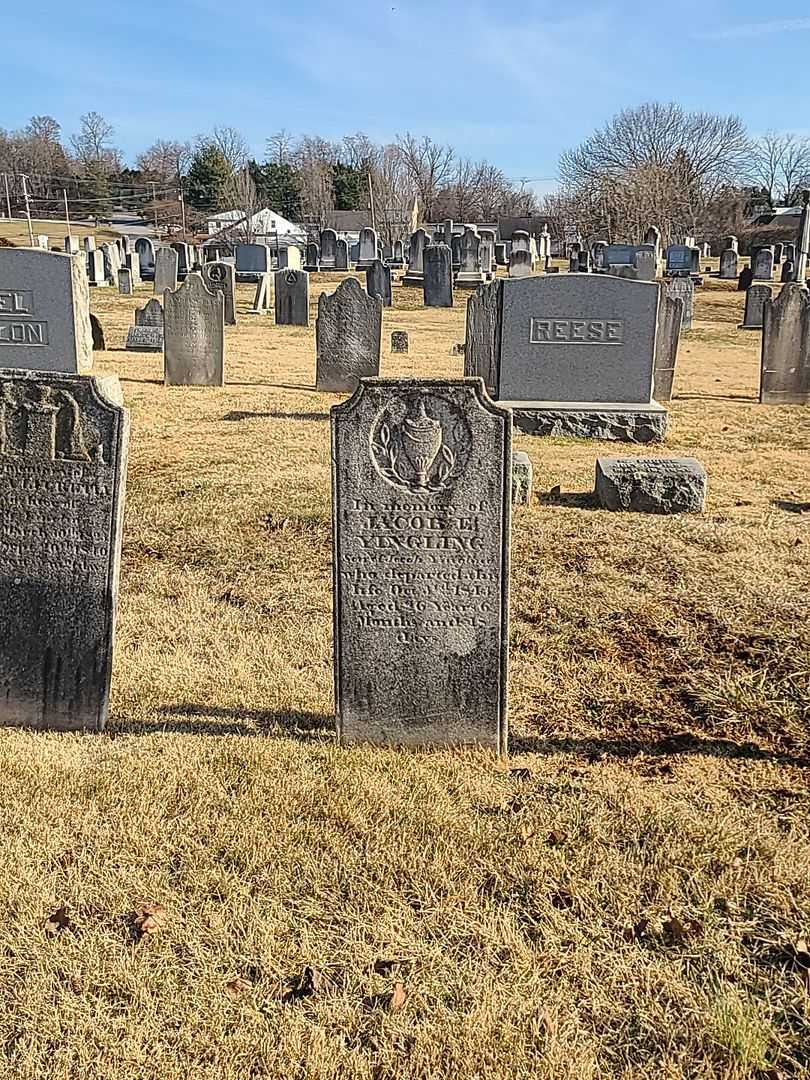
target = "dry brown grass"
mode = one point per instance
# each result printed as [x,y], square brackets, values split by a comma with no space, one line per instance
[16,231]
[624,899]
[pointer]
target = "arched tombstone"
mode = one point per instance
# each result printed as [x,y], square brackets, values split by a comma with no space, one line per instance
[755,299]
[598,250]
[416,269]
[470,275]
[763,264]
[193,335]
[348,336]
[378,282]
[328,249]
[341,255]
[221,277]
[312,259]
[728,265]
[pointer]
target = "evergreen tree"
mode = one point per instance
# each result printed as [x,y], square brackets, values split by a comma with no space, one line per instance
[208,179]
[278,187]
[349,185]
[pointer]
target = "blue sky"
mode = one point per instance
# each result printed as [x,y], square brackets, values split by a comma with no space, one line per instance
[516,82]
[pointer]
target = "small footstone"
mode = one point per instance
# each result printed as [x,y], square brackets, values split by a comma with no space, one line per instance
[399,341]
[521,478]
[651,485]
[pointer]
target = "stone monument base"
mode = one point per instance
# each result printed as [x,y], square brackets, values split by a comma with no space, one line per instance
[470,281]
[615,421]
[413,279]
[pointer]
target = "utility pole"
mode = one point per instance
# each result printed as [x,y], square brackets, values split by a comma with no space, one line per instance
[28,211]
[8,197]
[804,241]
[371,201]
[154,207]
[183,207]
[67,212]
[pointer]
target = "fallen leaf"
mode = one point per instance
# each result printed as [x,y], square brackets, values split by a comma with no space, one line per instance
[309,983]
[57,922]
[387,967]
[635,932]
[399,995]
[238,986]
[556,838]
[678,931]
[149,918]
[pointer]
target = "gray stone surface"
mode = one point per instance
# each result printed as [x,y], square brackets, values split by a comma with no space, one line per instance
[575,338]
[312,257]
[165,276]
[755,298]
[619,423]
[728,265]
[348,335]
[97,333]
[629,273]
[185,259]
[520,263]
[262,296]
[762,264]
[521,241]
[416,268]
[145,250]
[341,255]
[368,248]
[438,280]
[378,281]
[521,478]
[620,255]
[132,262]
[291,289]
[399,341]
[151,314]
[646,265]
[95,269]
[125,281]
[785,363]
[683,288]
[193,335]
[651,485]
[44,311]
[668,334]
[421,519]
[145,339]
[679,258]
[328,249]
[63,450]
[251,260]
[482,344]
[221,277]
[599,255]
[470,274]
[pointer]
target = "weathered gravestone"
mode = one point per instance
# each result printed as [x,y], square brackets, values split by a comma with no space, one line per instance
[667,339]
[341,255]
[421,512]
[328,249]
[646,264]
[221,277]
[438,280]
[145,250]
[482,344]
[415,273]
[652,238]
[471,275]
[521,241]
[368,248]
[312,257]
[399,341]
[576,356]
[147,333]
[42,242]
[97,331]
[165,270]
[620,255]
[680,259]
[185,259]
[521,478]
[251,260]
[132,262]
[789,252]
[63,451]
[397,256]
[763,264]
[125,282]
[785,364]
[193,335]
[755,298]
[745,279]
[112,262]
[348,334]
[651,485]
[777,254]
[731,242]
[71,245]
[728,265]
[788,272]
[378,281]
[95,269]
[261,298]
[291,297]
[683,288]
[520,264]
[44,311]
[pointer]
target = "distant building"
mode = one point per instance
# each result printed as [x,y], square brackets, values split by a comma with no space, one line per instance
[265,227]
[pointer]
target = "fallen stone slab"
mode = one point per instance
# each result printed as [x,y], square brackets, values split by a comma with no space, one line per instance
[651,485]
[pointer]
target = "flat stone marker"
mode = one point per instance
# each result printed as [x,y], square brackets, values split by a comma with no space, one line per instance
[755,299]
[165,270]
[63,451]
[399,341]
[292,297]
[44,311]
[421,479]
[785,364]
[348,334]
[651,485]
[378,281]
[437,285]
[147,333]
[221,277]
[193,335]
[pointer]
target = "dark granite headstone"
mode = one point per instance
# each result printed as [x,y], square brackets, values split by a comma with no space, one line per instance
[438,281]
[421,512]
[251,260]
[341,255]
[193,335]
[348,334]
[415,271]
[292,297]
[399,341]
[165,276]
[99,344]
[312,258]
[378,281]
[785,365]
[221,277]
[745,279]
[328,249]
[63,452]
[788,271]
[755,298]
[680,258]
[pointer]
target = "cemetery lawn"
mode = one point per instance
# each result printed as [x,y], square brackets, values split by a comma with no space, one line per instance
[213,889]
[15,230]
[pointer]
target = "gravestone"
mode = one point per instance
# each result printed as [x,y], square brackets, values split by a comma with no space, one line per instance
[745,279]
[397,259]
[520,264]
[289,258]
[731,242]
[147,333]
[482,344]
[415,273]
[378,281]
[42,242]
[126,244]
[728,265]
[399,341]
[291,297]
[95,269]
[501,258]
[577,356]
[680,259]
[789,252]
[261,298]
[785,363]
[354,252]
[348,334]
[573,262]
[421,519]
[132,262]
[193,335]
[447,234]
[646,264]
[438,280]
[667,340]
[112,262]
[221,277]
[368,248]
[185,259]
[652,237]
[763,264]
[312,259]
[89,243]
[521,478]
[341,255]
[651,485]
[44,311]
[455,248]
[620,255]
[521,241]
[328,249]
[145,250]
[63,452]
[683,288]
[97,333]
[599,255]
[124,282]
[755,298]
[251,260]
[777,254]
[788,272]
[71,245]
[165,270]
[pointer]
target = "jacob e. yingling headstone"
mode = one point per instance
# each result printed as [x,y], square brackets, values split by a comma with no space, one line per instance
[421,490]
[63,448]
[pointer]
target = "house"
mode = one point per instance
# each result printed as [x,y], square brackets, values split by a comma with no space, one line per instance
[264,227]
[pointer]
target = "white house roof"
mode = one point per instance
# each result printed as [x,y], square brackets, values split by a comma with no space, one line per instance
[264,221]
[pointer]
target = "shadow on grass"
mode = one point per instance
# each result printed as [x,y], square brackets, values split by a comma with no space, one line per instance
[579,500]
[236,414]
[791,507]
[715,397]
[125,378]
[279,386]
[596,749]
[188,719]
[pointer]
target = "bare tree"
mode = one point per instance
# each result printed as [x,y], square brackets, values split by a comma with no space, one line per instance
[231,143]
[280,146]
[242,197]
[165,159]
[313,159]
[92,144]
[429,166]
